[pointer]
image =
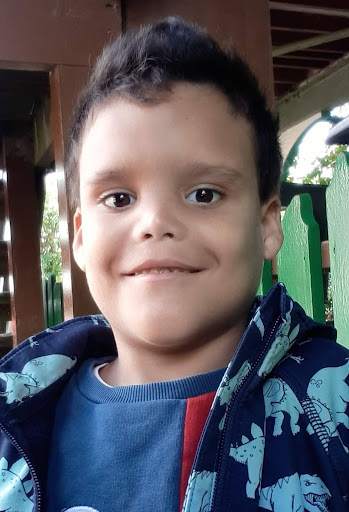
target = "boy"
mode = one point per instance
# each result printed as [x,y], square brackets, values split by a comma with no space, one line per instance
[215,400]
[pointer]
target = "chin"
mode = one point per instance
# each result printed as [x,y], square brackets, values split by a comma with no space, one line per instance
[164,334]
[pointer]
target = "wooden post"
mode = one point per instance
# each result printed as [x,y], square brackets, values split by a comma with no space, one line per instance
[66,83]
[338,222]
[24,247]
[299,259]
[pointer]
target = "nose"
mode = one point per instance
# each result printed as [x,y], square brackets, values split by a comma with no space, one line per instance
[159,220]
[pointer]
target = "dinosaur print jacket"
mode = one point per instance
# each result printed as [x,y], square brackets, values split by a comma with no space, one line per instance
[277,435]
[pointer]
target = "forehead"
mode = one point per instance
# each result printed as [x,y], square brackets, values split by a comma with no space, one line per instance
[192,122]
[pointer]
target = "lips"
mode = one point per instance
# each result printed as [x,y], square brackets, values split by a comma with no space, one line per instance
[163,271]
[162,267]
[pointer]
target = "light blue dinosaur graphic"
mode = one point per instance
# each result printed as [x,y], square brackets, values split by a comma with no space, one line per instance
[198,496]
[251,453]
[228,386]
[295,494]
[13,492]
[37,374]
[283,341]
[278,399]
[329,394]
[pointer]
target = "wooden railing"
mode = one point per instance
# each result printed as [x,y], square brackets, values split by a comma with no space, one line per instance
[302,263]
[53,301]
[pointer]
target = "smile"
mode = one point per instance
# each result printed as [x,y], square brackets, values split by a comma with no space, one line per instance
[163,271]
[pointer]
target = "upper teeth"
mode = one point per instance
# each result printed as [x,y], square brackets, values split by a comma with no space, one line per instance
[160,270]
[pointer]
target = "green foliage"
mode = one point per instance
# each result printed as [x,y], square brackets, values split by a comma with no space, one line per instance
[50,248]
[315,177]
[326,162]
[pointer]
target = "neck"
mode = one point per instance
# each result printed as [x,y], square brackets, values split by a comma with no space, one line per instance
[137,363]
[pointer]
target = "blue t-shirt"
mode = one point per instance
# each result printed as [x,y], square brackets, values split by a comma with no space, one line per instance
[128,448]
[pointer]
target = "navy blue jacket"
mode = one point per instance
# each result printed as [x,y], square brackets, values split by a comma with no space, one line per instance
[277,436]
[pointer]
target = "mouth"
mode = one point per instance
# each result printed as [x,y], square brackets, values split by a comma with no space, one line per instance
[318,500]
[162,271]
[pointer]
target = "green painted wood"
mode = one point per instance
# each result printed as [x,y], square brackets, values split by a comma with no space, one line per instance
[44,296]
[57,304]
[50,311]
[299,260]
[266,281]
[53,301]
[337,199]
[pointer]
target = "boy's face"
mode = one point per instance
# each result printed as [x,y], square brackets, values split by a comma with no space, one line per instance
[173,181]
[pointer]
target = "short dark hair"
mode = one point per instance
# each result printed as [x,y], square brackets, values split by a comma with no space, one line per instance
[140,65]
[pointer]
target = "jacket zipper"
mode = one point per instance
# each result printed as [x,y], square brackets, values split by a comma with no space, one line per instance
[232,403]
[31,468]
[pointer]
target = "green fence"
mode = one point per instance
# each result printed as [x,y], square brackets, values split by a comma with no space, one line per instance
[53,301]
[299,262]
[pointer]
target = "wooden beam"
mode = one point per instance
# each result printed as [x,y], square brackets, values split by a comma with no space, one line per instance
[324,91]
[309,43]
[294,21]
[43,33]
[315,53]
[309,31]
[284,62]
[301,8]
[323,60]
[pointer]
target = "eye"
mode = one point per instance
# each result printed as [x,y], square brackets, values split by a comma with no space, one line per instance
[205,195]
[118,200]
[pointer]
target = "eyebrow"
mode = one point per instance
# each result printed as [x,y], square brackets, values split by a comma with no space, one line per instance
[196,169]
[190,170]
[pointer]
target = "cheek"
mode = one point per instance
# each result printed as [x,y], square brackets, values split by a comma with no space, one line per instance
[242,249]
[243,235]
[103,244]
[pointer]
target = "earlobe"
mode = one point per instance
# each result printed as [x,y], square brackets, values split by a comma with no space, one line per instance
[271,225]
[78,248]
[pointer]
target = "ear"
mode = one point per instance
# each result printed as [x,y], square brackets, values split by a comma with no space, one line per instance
[271,224]
[78,248]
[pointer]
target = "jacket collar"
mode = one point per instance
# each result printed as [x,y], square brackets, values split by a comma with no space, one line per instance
[276,324]
[45,361]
